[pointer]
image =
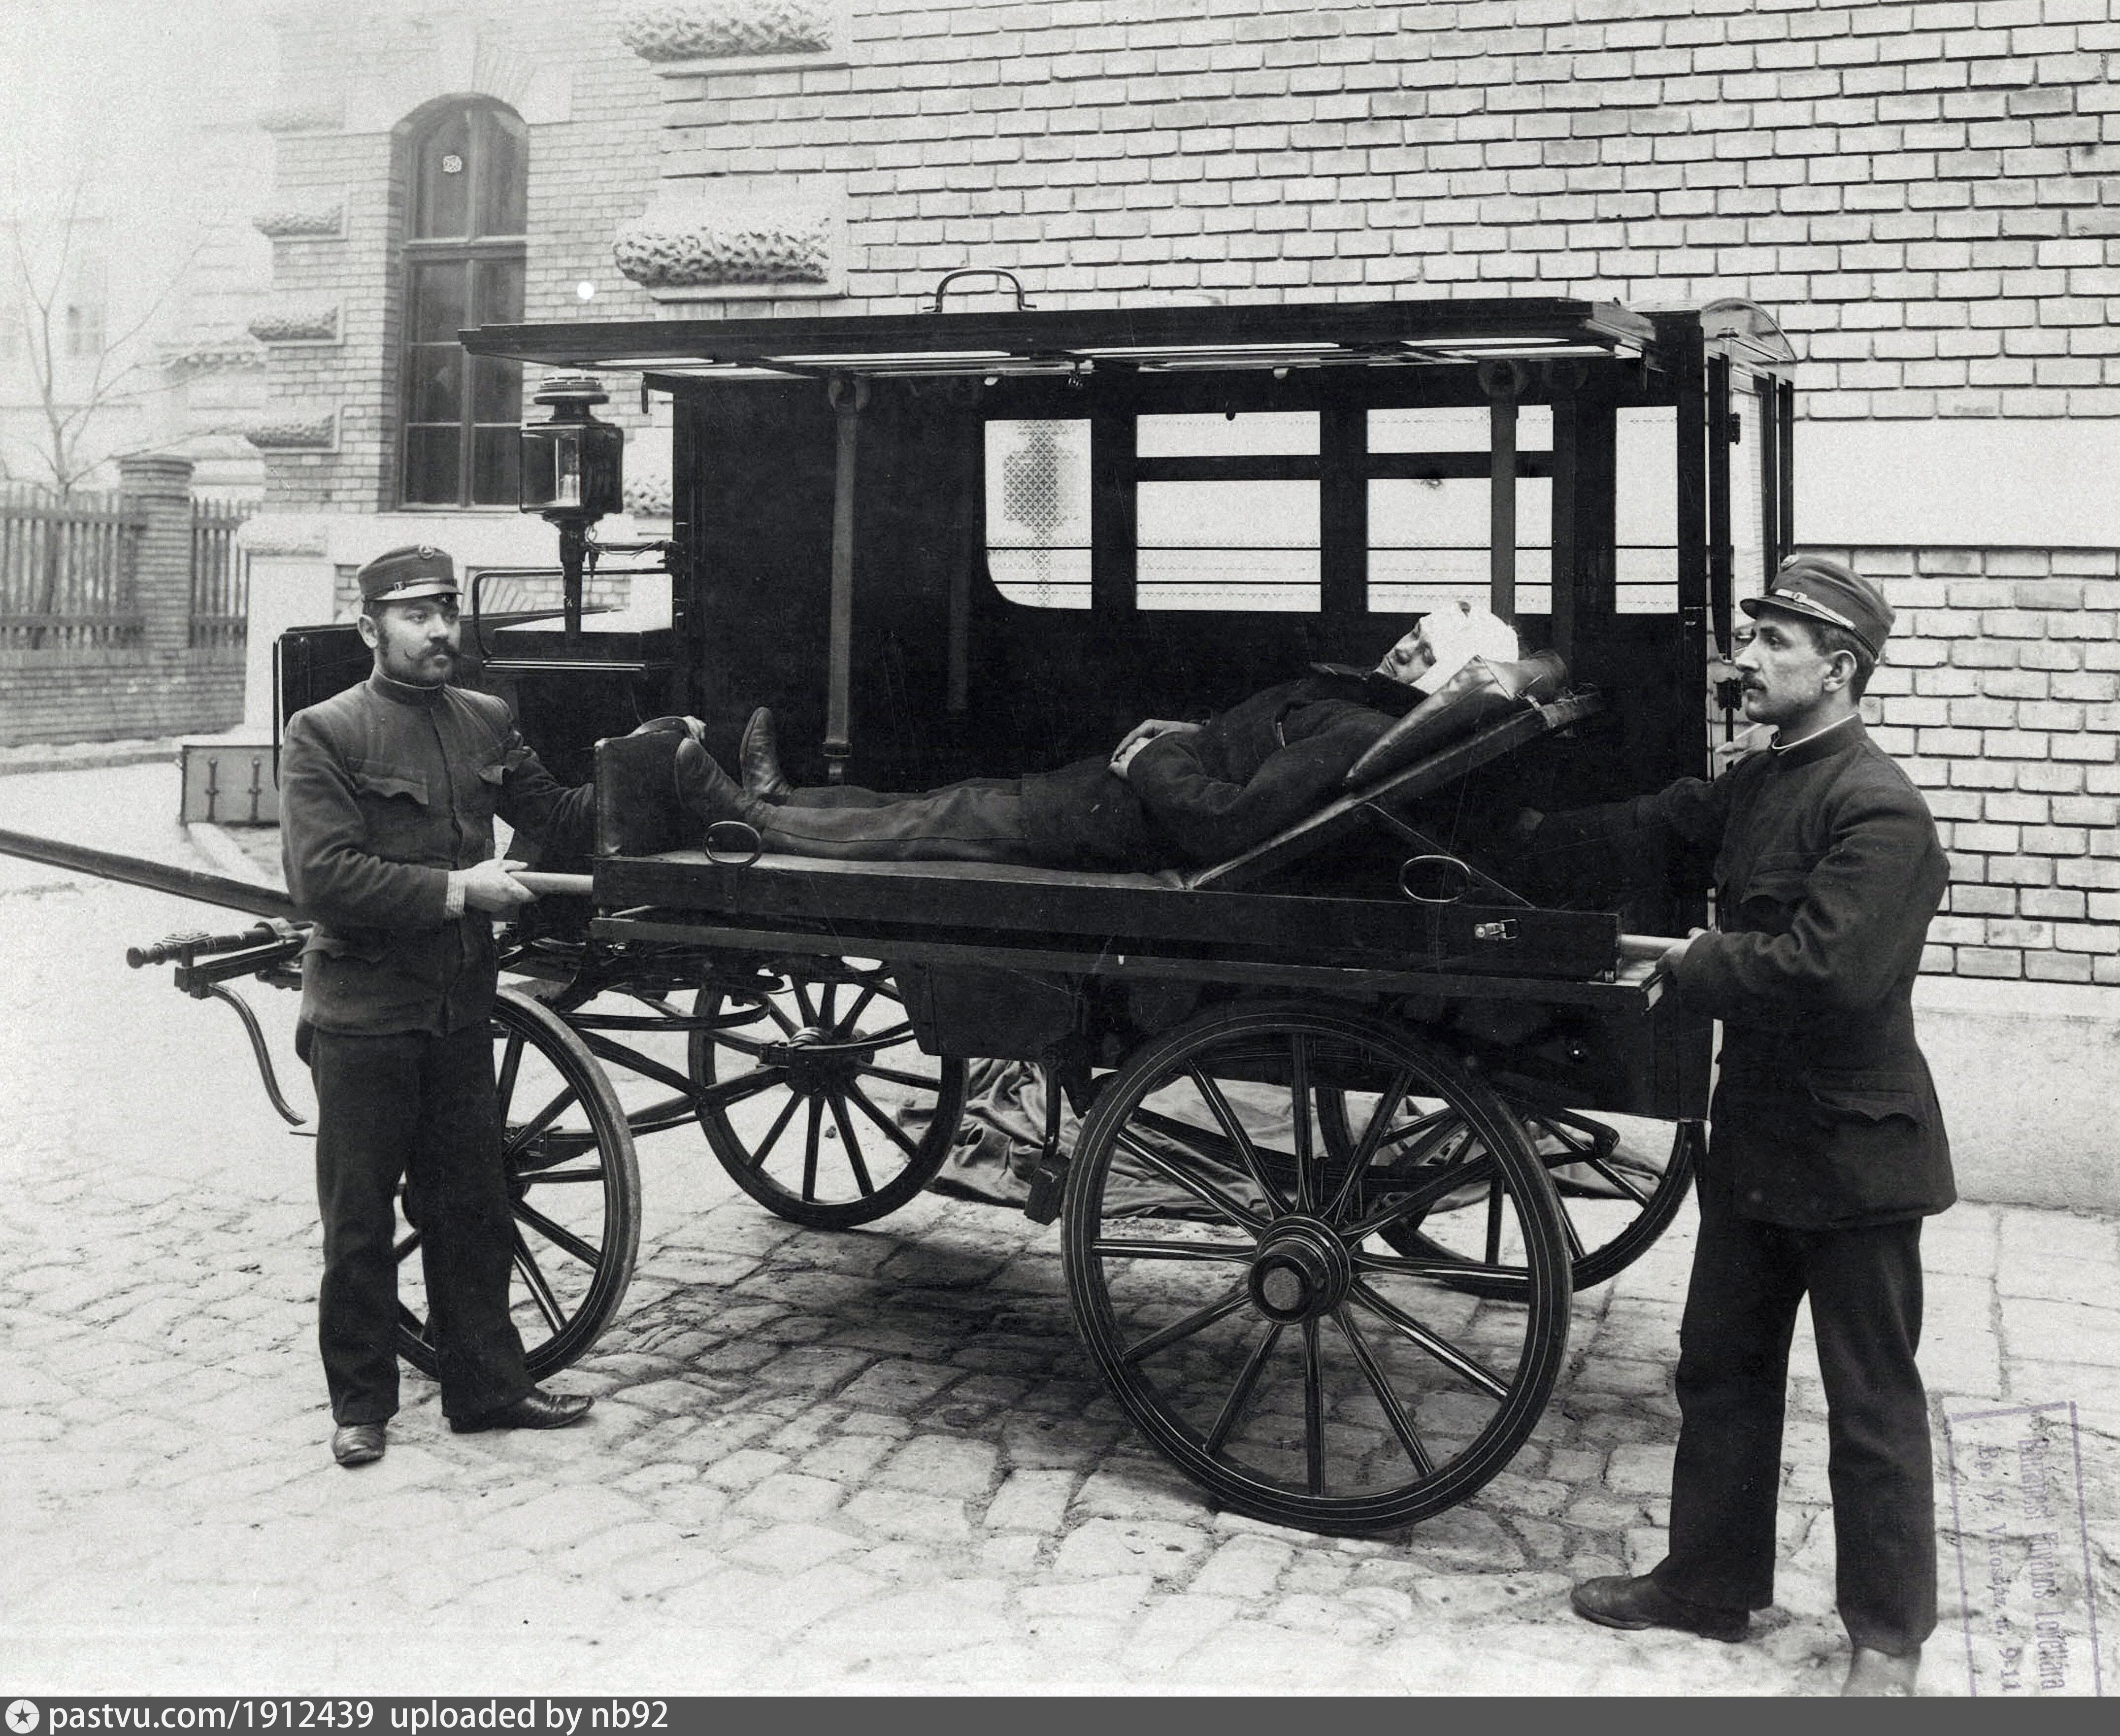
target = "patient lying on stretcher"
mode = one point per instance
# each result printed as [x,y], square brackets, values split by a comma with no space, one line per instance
[1168,795]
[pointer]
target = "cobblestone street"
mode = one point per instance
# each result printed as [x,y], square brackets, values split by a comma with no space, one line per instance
[874,1459]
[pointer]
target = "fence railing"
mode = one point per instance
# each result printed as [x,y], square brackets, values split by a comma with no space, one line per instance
[69,571]
[220,573]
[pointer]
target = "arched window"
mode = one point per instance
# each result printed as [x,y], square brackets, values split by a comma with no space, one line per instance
[463,266]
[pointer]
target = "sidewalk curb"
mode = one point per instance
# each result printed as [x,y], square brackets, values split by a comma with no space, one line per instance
[98,757]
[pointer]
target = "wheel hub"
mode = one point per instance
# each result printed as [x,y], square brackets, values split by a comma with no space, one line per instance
[1302,1270]
[816,1060]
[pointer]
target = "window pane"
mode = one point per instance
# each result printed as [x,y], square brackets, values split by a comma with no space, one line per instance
[496,389]
[1042,578]
[431,460]
[1037,484]
[502,183]
[1645,509]
[1429,542]
[493,456]
[442,179]
[497,291]
[1457,428]
[1252,579]
[1216,435]
[437,384]
[437,313]
[1228,515]
[1749,541]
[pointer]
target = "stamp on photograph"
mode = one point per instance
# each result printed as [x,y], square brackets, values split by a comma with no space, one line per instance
[2024,1552]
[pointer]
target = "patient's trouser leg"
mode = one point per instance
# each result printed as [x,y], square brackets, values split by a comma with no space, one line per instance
[981,820]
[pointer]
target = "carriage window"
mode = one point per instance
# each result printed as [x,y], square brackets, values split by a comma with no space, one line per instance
[1247,542]
[1645,510]
[1749,538]
[1428,535]
[1037,512]
[463,266]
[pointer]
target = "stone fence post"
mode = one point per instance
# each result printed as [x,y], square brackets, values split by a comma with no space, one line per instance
[159,488]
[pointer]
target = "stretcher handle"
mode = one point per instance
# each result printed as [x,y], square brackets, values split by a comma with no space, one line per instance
[576,886]
[1638,948]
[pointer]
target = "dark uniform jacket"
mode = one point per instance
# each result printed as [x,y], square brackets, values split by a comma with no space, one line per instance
[1206,795]
[1827,871]
[383,789]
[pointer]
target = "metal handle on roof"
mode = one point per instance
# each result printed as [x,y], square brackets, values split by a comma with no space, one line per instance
[979,271]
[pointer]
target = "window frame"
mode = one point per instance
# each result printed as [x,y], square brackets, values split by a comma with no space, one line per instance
[468,251]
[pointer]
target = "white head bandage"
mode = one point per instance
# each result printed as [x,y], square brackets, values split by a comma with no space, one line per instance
[1458,632]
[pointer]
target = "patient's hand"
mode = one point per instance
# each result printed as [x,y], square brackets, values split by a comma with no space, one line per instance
[1145,731]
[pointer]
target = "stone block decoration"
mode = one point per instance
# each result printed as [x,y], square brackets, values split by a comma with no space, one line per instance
[296,325]
[295,434]
[665,30]
[227,353]
[733,235]
[303,222]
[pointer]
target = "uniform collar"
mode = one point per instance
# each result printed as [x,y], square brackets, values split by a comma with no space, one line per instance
[404,693]
[1842,733]
[1380,692]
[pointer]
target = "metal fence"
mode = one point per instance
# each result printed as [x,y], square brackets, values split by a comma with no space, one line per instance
[68,570]
[220,573]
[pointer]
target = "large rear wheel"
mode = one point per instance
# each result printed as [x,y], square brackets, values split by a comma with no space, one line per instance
[1230,1270]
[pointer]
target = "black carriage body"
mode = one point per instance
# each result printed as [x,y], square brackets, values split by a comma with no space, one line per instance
[833,559]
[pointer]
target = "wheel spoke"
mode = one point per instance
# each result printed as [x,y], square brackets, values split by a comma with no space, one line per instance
[728,1093]
[1202,1142]
[852,1142]
[1494,1222]
[1198,1320]
[1622,1182]
[1365,1150]
[810,1150]
[1218,1106]
[800,990]
[1461,1363]
[1205,1191]
[1298,1122]
[852,1019]
[1418,1197]
[1313,1411]
[1394,1411]
[1124,1247]
[825,1018]
[520,1136]
[559,1235]
[773,1134]
[1572,1236]
[1402,1265]
[504,1086]
[541,1291]
[918,1082]
[1233,1406]
[898,1134]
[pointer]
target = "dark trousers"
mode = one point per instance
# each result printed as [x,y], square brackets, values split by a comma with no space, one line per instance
[1865,1286]
[979,820]
[421,1108]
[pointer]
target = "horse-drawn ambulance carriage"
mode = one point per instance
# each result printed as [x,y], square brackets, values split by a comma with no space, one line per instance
[1361,1107]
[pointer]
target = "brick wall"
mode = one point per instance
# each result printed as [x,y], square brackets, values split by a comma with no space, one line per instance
[118,697]
[1999,698]
[1925,193]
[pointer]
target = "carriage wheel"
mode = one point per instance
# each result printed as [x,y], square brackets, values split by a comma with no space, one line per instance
[821,1105]
[575,1189]
[1617,1192]
[1228,1273]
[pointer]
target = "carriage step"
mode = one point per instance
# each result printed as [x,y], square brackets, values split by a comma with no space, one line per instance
[1048,1182]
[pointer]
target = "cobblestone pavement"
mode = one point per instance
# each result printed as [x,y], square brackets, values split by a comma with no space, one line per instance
[872,1459]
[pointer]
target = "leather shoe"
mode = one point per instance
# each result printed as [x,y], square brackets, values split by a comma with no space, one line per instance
[533,1410]
[757,758]
[1618,1601]
[357,1443]
[1873,1674]
[709,795]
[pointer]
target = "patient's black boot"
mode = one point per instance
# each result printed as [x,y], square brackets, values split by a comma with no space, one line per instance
[757,758]
[708,795]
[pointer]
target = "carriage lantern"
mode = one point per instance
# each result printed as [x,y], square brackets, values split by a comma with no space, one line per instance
[572,469]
